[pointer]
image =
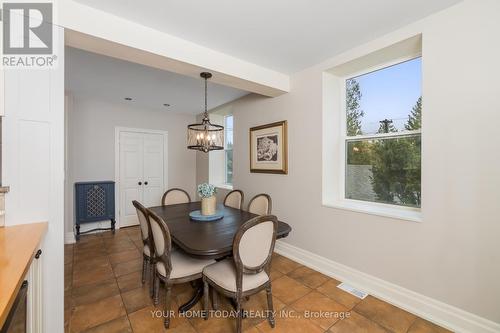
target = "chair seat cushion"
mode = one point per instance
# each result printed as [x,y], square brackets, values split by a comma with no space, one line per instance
[146,251]
[183,265]
[223,273]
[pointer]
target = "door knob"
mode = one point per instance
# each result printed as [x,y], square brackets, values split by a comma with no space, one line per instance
[140,183]
[145,183]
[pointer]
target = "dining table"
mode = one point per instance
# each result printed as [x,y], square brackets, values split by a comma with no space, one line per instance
[206,239]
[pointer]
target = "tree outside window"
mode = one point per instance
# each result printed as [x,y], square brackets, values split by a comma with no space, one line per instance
[228,149]
[383,139]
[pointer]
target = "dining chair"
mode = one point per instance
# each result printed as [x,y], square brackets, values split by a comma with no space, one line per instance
[234,199]
[172,267]
[261,204]
[175,196]
[148,260]
[248,271]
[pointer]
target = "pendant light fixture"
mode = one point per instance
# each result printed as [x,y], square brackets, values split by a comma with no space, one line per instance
[205,136]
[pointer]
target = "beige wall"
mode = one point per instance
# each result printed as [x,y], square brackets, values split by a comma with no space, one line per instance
[91,144]
[454,254]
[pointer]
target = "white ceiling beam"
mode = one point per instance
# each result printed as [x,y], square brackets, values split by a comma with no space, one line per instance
[100,32]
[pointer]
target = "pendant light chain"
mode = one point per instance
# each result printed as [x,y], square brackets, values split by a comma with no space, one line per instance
[206,98]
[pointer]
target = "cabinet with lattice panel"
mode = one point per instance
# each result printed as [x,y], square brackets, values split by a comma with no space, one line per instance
[94,202]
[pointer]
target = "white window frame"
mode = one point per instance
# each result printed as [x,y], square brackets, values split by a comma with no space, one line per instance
[375,208]
[226,184]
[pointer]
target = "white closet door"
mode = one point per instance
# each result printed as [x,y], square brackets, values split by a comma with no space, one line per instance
[154,169]
[131,175]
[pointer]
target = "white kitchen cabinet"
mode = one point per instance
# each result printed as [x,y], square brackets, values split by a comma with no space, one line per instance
[35,293]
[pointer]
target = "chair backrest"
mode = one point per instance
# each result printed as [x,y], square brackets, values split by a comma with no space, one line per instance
[162,241]
[234,199]
[175,196]
[261,204]
[253,244]
[143,216]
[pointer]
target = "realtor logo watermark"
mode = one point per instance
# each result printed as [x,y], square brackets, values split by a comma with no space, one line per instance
[28,35]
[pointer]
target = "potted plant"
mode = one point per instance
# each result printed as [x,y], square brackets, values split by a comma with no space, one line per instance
[208,201]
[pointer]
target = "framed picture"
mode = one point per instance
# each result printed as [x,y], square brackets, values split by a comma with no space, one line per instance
[269,148]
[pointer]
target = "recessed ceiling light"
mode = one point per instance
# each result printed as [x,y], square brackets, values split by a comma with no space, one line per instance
[128,98]
[166,105]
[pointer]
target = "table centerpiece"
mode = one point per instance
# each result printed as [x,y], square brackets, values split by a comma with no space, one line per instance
[208,201]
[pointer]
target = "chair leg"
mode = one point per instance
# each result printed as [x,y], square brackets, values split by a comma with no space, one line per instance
[205,299]
[145,264]
[239,314]
[270,308]
[156,289]
[151,277]
[215,299]
[168,288]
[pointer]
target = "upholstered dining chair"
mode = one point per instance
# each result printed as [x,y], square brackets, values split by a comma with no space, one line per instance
[147,249]
[234,199]
[261,204]
[175,196]
[248,271]
[171,267]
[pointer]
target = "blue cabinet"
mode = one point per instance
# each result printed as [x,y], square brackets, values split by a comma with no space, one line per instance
[94,201]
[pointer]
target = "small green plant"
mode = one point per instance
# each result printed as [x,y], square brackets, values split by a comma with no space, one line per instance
[206,190]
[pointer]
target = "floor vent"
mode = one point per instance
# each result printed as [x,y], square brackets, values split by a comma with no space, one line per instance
[353,291]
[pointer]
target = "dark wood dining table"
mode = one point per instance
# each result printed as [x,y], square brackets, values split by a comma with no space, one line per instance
[207,240]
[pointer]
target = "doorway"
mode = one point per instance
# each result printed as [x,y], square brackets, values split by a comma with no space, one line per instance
[140,170]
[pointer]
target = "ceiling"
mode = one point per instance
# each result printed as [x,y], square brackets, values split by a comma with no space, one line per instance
[284,35]
[97,76]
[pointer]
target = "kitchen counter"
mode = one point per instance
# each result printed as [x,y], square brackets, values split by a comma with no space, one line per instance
[18,246]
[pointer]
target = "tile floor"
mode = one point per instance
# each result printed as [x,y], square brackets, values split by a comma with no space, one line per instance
[103,293]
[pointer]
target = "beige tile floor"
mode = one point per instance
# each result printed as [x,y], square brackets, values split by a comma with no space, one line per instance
[103,293]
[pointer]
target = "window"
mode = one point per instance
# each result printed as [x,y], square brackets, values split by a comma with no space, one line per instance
[228,149]
[382,139]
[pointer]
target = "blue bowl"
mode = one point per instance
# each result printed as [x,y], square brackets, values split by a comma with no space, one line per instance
[196,216]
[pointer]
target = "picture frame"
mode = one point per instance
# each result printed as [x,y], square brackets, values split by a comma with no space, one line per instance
[269,148]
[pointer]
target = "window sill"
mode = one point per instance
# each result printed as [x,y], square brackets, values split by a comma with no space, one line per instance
[225,186]
[400,213]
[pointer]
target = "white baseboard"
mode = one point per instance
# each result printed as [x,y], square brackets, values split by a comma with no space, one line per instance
[95,225]
[428,308]
[69,238]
